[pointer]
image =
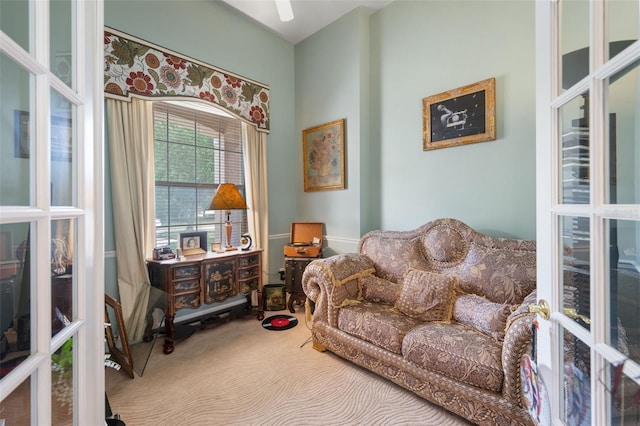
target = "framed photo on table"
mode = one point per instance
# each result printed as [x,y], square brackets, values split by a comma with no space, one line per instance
[193,243]
[460,116]
[323,156]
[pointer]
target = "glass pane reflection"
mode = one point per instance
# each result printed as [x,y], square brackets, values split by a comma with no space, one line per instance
[624,24]
[576,242]
[16,408]
[60,26]
[62,385]
[624,120]
[62,243]
[574,41]
[622,392]
[18,26]
[15,292]
[62,150]
[577,386]
[16,143]
[625,287]
[574,125]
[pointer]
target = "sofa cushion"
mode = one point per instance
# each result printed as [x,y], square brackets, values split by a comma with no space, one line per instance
[482,314]
[427,296]
[377,289]
[456,351]
[377,323]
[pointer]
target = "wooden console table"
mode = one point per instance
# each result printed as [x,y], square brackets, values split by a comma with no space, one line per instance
[205,279]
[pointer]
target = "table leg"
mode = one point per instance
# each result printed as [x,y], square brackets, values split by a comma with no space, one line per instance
[169,333]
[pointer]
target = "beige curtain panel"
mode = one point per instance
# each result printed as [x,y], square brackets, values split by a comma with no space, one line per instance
[130,140]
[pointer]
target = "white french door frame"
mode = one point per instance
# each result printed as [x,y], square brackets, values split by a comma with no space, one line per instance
[87,327]
[550,211]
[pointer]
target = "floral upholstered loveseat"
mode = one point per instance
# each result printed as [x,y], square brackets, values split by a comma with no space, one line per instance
[440,310]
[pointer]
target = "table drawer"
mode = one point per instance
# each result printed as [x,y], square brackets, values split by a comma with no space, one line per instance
[186,286]
[191,301]
[186,271]
[247,286]
[249,272]
[249,261]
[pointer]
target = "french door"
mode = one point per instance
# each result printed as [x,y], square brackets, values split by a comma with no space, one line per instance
[588,210]
[51,238]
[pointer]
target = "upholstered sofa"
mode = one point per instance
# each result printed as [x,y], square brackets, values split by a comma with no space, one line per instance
[440,310]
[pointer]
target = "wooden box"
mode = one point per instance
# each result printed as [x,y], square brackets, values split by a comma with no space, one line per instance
[305,240]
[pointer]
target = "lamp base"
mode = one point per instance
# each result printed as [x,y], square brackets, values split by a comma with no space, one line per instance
[230,248]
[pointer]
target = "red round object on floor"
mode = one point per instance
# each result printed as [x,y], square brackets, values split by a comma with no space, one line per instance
[280,322]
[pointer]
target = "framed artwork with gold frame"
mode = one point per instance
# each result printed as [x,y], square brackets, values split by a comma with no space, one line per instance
[460,116]
[323,156]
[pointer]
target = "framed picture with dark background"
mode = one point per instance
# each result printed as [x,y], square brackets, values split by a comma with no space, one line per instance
[460,116]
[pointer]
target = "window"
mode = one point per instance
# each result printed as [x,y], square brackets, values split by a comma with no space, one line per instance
[194,151]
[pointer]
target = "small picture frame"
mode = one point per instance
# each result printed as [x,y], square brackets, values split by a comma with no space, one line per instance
[323,156]
[460,116]
[193,243]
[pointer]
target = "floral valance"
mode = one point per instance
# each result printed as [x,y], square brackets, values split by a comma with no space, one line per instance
[133,67]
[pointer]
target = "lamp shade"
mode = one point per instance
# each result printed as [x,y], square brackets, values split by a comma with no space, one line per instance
[227,197]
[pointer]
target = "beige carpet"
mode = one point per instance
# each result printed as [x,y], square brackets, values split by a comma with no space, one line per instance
[238,373]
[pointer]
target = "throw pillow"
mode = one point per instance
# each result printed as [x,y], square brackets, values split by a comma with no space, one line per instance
[377,289]
[482,314]
[427,296]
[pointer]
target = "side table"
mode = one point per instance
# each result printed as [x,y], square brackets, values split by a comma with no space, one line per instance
[294,268]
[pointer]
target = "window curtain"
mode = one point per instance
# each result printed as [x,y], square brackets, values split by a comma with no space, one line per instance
[255,166]
[130,140]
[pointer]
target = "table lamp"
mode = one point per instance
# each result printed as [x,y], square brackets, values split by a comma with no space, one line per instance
[228,198]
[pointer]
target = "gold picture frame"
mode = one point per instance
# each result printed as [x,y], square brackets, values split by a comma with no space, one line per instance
[323,156]
[460,116]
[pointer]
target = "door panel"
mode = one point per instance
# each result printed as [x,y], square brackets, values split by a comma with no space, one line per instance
[588,213]
[51,266]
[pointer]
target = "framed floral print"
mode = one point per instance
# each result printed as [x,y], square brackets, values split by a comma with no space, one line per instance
[323,156]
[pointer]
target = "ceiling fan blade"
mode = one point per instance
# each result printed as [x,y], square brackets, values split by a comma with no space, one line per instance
[284,10]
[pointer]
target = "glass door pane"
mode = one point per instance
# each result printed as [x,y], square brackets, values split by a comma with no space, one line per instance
[624,283]
[15,292]
[17,130]
[573,41]
[623,24]
[576,291]
[62,149]
[14,21]
[16,408]
[62,388]
[574,128]
[576,403]
[61,46]
[624,136]
[62,277]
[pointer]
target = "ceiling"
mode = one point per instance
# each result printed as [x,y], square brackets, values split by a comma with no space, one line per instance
[309,15]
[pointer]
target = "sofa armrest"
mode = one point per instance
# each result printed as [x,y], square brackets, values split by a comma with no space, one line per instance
[517,343]
[330,282]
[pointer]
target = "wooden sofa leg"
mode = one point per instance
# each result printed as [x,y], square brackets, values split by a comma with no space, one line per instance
[318,347]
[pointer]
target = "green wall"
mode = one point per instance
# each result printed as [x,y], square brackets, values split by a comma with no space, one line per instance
[218,35]
[418,49]
[374,71]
